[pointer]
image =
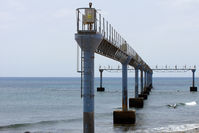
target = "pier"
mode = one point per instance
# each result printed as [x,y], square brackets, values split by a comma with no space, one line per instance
[166,69]
[96,35]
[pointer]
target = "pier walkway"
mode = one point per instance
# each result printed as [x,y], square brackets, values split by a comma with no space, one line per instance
[97,35]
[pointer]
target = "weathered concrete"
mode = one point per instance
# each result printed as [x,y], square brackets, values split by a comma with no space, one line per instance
[193,88]
[88,119]
[136,102]
[124,117]
[100,89]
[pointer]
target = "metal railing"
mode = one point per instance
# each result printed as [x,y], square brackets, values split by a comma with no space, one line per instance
[103,27]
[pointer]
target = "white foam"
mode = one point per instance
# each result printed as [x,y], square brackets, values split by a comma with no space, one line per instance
[170,128]
[191,103]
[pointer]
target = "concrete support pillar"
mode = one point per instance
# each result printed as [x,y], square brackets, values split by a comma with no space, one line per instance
[141,81]
[193,78]
[124,116]
[100,88]
[136,82]
[88,116]
[88,44]
[145,79]
[137,102]
[148,80]
[142,95]
[193,88]
[124,88]
[101,71]
[152,80]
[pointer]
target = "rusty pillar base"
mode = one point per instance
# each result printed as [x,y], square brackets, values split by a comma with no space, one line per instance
[88,119]
[124,117]
[193,88]
[144,96]
[100,89]
[136,102]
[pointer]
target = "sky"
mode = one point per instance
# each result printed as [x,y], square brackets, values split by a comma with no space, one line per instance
[37,36]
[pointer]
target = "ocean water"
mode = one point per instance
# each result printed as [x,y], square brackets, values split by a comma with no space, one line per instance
[54,105]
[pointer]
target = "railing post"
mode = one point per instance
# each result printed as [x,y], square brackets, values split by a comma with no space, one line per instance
[77,19]
[107,29]
[103,27]
[100,23]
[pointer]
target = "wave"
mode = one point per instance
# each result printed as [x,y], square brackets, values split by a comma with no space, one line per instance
[41,123]
[175,105]
[172,128]
[191,103]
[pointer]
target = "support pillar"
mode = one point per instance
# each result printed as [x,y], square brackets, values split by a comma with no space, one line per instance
[149,86]
[141,81]
[193,88]
[88,44]
[137,102]
[145,79]
[152,80]
[124,116]
[136,82]
[100,89]
[124,88]
[146,82]
[88,116]
[142,95]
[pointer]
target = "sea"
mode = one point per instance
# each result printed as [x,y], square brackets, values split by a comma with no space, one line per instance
[54,105]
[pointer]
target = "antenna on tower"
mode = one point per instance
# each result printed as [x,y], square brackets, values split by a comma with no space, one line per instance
[90,4]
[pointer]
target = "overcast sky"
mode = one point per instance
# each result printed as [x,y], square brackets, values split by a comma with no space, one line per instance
[37,36]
